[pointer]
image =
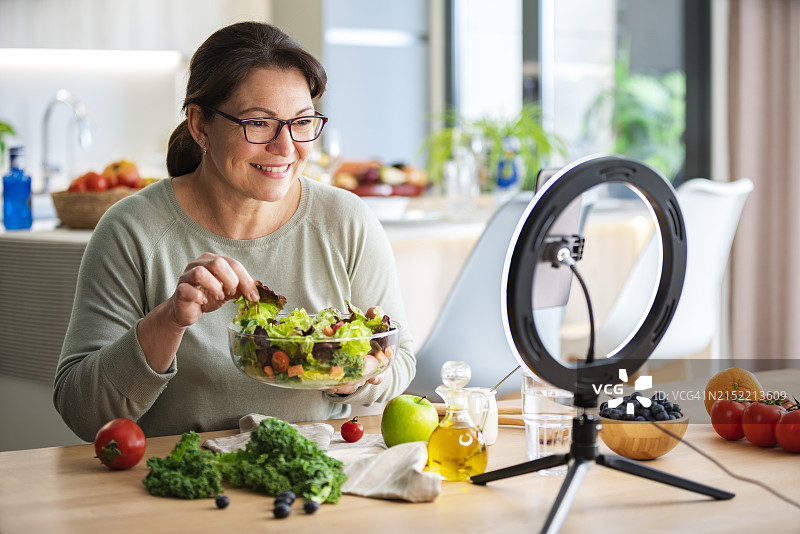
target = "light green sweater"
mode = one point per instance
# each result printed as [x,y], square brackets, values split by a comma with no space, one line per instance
[333,249]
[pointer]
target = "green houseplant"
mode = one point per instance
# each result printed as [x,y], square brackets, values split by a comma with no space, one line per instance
[646,115]
[5,131]
[536,145]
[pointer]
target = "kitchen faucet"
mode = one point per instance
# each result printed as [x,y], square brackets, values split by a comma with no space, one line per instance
[84,132]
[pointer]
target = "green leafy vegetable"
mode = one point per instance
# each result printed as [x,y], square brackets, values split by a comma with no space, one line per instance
[328,347]
[277,458]
[189,472]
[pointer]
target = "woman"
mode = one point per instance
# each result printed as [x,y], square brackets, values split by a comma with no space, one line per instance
[236,209]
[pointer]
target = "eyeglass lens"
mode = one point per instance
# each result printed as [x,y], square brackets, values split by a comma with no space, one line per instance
[265,130]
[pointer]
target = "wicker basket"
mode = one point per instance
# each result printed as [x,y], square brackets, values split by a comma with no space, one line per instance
[83,210]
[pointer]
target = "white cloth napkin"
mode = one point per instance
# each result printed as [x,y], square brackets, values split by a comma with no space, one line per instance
[372,469]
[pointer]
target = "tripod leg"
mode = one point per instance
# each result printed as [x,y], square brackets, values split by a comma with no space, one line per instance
[566,495]
[521,469]
[635,468]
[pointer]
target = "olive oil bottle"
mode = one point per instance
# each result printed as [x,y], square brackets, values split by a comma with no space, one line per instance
[457,448]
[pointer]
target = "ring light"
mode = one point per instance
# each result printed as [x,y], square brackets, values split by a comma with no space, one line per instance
[531,246]
[526,252]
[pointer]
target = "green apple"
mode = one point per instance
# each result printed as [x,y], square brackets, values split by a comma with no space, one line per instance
[408,418]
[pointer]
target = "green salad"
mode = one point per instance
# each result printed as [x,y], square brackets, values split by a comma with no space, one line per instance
[297,349]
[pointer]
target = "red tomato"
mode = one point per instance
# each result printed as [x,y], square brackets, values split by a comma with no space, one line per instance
[787,431]
[280,361]
[120,444]
[95,182]
[758,423]
[726,418]
[352,430]
[78,185]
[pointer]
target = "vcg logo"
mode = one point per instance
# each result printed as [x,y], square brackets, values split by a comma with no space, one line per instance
[642,383]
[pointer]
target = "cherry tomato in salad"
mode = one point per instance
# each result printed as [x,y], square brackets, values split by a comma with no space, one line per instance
[758,422]
[352,430]
[787,431]
[280,361]
[120,444]
[726,418]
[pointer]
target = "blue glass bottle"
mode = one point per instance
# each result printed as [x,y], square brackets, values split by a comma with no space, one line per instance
[17,193]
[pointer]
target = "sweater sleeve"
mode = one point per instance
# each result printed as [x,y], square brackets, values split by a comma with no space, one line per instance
[102,373]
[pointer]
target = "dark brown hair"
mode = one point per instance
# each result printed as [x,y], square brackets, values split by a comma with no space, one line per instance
[221,63]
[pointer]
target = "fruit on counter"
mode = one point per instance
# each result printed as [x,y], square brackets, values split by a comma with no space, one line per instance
[118,175]
[123,173]
[222,501]
[408,418]
[352,430]
[281,510]
[120,444]
[91,181]
[787,431]
[758,423]
[733,383]
[373,178]
[660,408]
[726,418]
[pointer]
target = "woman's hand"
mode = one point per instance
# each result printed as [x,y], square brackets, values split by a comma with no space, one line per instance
[347,390]
[206,284]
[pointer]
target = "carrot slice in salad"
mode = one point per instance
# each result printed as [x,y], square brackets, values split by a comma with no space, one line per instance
[295,370]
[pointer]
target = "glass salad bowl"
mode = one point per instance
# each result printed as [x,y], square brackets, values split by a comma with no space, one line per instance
[302,351]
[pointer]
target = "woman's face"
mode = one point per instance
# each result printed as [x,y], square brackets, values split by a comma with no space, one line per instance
[263,172]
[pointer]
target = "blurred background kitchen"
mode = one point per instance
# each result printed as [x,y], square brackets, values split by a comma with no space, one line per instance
[442,89]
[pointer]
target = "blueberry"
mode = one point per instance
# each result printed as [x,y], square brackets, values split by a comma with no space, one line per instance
[628,417]
[281,510]
[310,506]
[287,496]
[222,501]
[676,408]
[640,418]
[662,416]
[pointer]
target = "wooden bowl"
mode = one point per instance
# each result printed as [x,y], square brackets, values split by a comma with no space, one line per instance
[641,440]
[83,210]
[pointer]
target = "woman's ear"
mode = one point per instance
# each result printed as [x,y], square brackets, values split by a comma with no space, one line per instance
[196,122]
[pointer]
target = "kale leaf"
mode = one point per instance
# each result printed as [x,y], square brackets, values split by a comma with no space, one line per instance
[189,472]
[277,458]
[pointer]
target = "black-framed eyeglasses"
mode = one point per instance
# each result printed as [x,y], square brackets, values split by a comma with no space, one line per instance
[265,130]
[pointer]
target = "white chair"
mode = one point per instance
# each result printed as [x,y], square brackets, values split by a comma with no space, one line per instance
[711,211]
[470,326]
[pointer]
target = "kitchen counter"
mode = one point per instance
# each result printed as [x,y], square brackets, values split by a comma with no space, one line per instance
[65,489]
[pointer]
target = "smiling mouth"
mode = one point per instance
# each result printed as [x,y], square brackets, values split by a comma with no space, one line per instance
[283,168]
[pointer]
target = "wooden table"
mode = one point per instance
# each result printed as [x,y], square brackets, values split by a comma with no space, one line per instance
[64,490]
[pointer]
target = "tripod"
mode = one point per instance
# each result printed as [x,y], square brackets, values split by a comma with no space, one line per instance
[582,451]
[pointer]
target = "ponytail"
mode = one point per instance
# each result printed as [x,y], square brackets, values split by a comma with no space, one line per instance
[183,153]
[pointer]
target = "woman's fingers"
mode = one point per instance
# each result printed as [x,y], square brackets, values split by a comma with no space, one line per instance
[246,286]
[222,278]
